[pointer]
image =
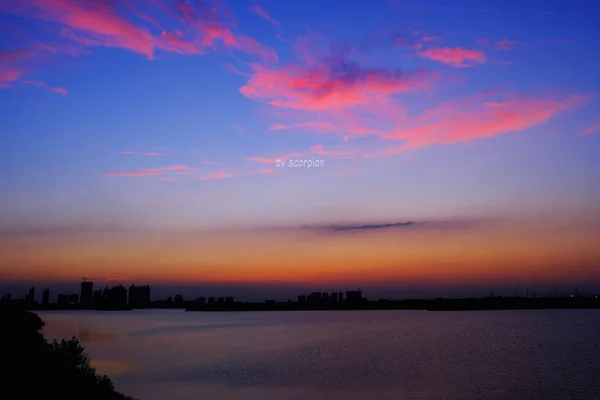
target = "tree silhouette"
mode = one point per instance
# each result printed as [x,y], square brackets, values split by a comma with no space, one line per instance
[36,369]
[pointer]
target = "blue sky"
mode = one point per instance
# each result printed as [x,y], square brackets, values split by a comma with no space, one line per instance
[169,115]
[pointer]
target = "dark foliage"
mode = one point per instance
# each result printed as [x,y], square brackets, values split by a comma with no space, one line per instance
[36,369]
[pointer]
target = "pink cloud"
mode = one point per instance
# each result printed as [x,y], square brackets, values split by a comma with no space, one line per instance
[347,125]
[592,129]
[483,42]
[7,76]
[194,28]
[271,160]
[457,57]
[348,171]
[261,12]
[42,84]
[232,68]
[212,34]
[239,128]
[331,85]
[60,90]
[278,36]
[311,125]
[98,19]
[149,154]
[10,68]
[219,174]
[260,171]
[431,38]
[223,174]
[506,44]
[175,42]
[475,118]
[318,149]
[259,159]
[144,172]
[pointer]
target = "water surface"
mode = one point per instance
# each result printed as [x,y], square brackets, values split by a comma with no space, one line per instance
[171,354]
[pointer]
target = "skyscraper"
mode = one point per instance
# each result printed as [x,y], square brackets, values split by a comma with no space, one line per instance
[354,296]
[31,296]
[63,299]
[139,296]
[46,297]
[87,293]
[74,299]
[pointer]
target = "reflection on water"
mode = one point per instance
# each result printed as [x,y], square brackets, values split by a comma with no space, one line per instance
[61,326]
[159,354]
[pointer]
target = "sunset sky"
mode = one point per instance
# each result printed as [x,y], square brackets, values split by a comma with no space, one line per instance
[460,143]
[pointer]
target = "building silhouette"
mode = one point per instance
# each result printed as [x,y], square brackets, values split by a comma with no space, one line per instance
[314,298]
[74,299]
[87,293]
[354,296]
[178,302]
[46,297]
[139,296]
[97,297]
[63,300]
[115,296]
[31,295]
[333,298]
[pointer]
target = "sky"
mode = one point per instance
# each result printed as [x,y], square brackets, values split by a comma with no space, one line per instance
[403,147]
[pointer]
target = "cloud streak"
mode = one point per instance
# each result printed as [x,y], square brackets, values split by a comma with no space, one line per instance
[223,174]
[148,154]
[145,172]
[591,129]
[456,57]
[261,12]
[193,27]
[476,117]
[330,85]
[42,84]
[344,228]
[271,160]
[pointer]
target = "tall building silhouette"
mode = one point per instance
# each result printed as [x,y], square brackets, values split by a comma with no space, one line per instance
[46,297]
[87,293]
[139,296]
[31,295]
[63,299]
[74,299]
[116,296]
[354,296]
[97,298]
[333,298]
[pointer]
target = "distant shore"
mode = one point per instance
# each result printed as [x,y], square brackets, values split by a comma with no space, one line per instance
[440,304]
[472,304]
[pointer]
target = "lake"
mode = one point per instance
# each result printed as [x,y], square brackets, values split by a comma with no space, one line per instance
[176,355]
